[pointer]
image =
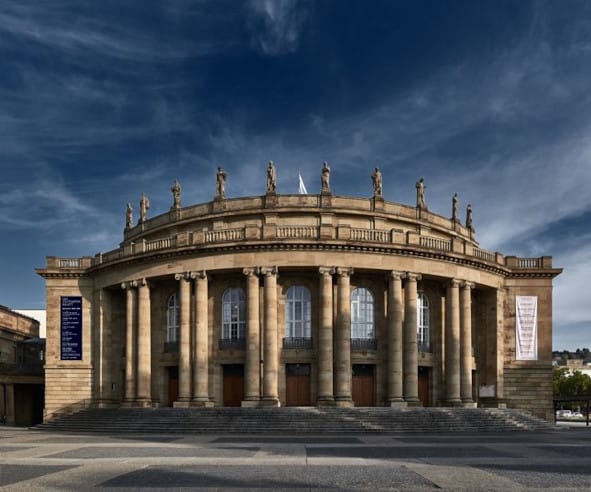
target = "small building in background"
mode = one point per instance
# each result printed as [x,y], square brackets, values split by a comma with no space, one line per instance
[22,358]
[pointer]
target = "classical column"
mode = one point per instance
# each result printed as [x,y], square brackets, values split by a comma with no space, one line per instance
[252,381]
[201,354]
[466,343]
[130,331]
[395,387]
[411,369]
[144,361]
[342,356]
[325,370]
[270,352]
[452,342]
[184,340]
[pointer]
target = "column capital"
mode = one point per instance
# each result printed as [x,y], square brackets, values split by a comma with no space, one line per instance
[344,272]
[454,282]
[249,272]
[199,274]
[129,284]
[395,275]
[182,276]
[468,285]
[268,271]
[143,282]
[412,277]
[326,270]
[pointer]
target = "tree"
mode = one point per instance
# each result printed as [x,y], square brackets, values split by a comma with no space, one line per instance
[565,383]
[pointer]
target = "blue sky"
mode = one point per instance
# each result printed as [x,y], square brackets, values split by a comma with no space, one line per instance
[101,101]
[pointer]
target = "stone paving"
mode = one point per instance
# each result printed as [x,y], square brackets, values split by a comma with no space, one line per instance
[39,460]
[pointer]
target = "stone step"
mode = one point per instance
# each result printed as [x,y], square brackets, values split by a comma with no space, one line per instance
[293,420]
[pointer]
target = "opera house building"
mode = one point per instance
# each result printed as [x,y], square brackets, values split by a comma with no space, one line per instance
[299,300]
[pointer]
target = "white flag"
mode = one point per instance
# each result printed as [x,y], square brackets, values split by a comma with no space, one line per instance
[302,188]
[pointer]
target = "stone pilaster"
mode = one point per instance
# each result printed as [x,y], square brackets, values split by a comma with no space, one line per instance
[252,380]
[325,339]
[394,395]
[452,343]
[466,344]
[130,338]
[184,340]
[411,375]
[342,356]
[144,361]
[270,352]
[201,355]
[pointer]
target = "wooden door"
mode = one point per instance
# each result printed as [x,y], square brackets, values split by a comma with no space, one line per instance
[173,385]
[233,385]
[363,385]
[297,385]
[424,373]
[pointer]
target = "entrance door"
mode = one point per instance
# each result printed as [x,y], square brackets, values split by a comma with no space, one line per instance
[233,384]
[363,385]
[297,385]
[173,385]
[424,373]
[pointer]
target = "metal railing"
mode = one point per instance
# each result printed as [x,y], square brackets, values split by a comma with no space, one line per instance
[297,343]
[364,344]
[232,343]
[171,347]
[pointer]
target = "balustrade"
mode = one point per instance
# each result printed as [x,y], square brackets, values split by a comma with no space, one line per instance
[297,232]
[370,235]
[435,243]
[297,343]
[224,235]
[484,255]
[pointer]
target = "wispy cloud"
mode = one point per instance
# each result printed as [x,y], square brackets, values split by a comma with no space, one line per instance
[276,25]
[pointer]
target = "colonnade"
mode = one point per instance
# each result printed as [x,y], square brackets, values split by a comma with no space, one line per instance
[333,344]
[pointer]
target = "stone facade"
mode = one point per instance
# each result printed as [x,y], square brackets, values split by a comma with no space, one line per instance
[438,311]
[21,369]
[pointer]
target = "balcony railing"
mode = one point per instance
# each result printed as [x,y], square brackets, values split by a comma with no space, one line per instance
[232,343]
[425,347]
[297,343]
[364,344]
[171,347]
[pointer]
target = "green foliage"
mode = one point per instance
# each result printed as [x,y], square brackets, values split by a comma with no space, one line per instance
[565,383]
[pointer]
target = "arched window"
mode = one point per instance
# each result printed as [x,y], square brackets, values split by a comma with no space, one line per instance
[362,314]
[423,335]
[172,319]
[298,312]
[233,314]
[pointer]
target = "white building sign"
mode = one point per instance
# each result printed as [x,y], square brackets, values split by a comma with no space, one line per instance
[526,325]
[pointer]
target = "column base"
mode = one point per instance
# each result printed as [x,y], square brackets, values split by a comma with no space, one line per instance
[469,404]
[270,401]
[180,404]
[142,403]
[202,403]
[396,403]
[106,404]
[325,401]
[454,403]
[250,403]
[344,403]
[128,403]
[413,402]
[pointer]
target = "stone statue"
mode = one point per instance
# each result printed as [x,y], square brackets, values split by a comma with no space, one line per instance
[176,195]
[469,217]
[144,206]
[220,190]
[454,208]
[421,194]
[376,177]
[325,178]
[128,216]
[271,180]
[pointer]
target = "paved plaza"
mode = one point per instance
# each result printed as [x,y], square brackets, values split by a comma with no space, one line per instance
[41,460]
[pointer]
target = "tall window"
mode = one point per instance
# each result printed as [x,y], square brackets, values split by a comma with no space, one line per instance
[233,314]
[172,319]
[298,312]
[423,336]
[362,314]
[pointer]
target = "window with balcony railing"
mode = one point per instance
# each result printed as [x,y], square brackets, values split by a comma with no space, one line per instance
[358,344]
[297,343]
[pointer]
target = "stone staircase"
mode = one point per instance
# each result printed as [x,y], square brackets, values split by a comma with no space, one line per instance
[294,420]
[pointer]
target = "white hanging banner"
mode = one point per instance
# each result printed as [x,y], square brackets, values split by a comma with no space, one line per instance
[526,327]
